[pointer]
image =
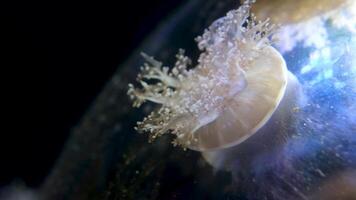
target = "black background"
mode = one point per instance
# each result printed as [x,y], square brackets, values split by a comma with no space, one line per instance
[54,59]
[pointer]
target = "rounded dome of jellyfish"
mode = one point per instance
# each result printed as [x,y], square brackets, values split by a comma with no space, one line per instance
[304,139]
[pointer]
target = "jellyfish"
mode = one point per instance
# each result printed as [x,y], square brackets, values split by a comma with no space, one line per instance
[233,92]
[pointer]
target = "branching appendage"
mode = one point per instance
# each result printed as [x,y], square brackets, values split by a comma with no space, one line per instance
[165,92]
[168,81]
[190,99]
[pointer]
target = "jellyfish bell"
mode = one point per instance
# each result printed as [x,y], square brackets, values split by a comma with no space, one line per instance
[240,86]
[269,134]
[260,119]
[268,83]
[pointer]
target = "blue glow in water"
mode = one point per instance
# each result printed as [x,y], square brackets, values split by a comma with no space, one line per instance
[330,117]
[327,123]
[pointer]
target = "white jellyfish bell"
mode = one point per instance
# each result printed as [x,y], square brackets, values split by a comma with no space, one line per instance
[239,93]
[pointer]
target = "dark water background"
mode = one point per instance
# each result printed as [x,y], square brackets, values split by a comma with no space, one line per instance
[56,57]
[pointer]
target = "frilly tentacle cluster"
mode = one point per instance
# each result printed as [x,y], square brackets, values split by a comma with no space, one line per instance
[190,99]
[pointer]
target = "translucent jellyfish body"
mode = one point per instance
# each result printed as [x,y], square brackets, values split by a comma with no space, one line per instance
[234,90]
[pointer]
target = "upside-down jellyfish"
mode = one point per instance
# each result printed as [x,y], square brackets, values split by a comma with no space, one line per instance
[237,85]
